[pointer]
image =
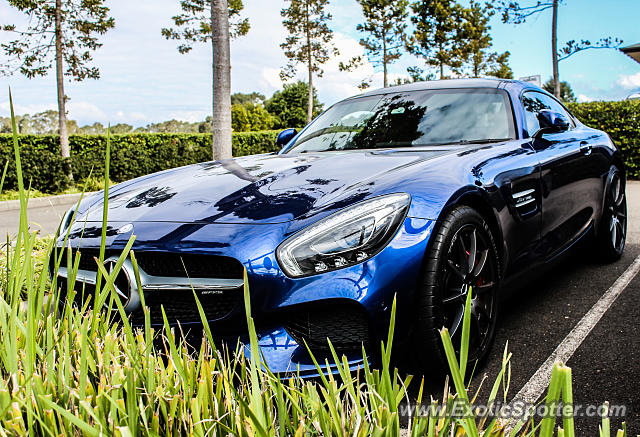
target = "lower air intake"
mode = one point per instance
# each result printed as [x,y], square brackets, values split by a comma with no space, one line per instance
[344,323]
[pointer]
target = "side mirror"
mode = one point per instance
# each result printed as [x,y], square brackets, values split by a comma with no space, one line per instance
[285,136]
[552,122]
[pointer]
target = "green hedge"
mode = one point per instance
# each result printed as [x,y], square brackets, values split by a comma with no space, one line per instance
[621,120]
[132,155]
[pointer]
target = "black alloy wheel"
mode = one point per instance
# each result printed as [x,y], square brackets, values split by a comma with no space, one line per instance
[463,259]
[612,235]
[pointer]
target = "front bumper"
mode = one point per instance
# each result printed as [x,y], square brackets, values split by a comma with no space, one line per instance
[368,287]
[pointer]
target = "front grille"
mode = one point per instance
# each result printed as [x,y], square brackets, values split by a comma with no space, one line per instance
[344,323]
[179,306]
[170,264]
[197,266]
[87,259]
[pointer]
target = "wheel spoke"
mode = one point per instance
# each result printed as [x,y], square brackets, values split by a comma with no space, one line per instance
[452,299]
[616,189]
[472,251]
[482,310]
[614,234]
[457,322]
[456,270]
[619,200]
[462,250]
[620,231]
[481,263]
[483,288]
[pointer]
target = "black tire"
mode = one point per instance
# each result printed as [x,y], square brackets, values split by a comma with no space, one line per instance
[440,303]
[612,233]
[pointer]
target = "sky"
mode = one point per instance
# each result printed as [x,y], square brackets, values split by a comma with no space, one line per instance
[144,79]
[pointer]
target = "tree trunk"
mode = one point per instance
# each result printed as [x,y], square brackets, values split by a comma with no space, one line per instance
[310,68]
[476,66]
[384,59]
[220,45]
[554,49]
[62,110]
[441,63]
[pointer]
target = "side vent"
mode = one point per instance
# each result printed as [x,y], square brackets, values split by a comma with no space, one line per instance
[524,199]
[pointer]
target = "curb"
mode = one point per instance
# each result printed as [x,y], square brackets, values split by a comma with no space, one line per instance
[39,202]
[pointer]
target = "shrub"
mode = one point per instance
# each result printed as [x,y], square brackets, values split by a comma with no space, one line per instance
[250,117]
[132,155]
[621,120]
[290,105]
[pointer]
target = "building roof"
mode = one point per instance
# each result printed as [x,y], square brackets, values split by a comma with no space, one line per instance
[632,51]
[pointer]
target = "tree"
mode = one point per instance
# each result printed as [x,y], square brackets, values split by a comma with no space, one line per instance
[169,126]
[242,98]
[476,34]
[497,65]
[385,23]
[513,12]
[216,21]
[416,74]
[438,36]
[249,116]
[566,93]
[41,123]
[289,106]
[477,43]
[121,129]
[309,42]
[96,128]
[60,32]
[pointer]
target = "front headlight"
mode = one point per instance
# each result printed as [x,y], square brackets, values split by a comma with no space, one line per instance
[66,221]
[344,238]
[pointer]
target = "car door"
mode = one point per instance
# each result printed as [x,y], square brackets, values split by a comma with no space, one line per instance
[569,174]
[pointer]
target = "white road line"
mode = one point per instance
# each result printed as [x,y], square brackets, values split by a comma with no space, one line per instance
[538,383]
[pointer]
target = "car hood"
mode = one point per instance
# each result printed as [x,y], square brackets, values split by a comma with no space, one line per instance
[259,188]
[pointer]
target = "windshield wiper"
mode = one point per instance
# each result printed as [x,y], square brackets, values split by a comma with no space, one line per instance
[482,141]
[464,142]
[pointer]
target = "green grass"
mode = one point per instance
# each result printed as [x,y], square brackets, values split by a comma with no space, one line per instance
[73,371]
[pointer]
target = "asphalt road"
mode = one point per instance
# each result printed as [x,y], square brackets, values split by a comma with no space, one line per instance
[535,319]
[43,217]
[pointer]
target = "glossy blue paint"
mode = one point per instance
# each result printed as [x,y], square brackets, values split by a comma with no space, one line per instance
[245,207]
[285,136]
[551,121]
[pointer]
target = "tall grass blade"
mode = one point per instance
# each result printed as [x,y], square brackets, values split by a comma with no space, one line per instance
[4,175]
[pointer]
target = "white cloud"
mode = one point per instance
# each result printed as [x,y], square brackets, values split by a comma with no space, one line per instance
[583,99]
[190,116]
[136,116]
[85,112]
[19,109]
[272,77]
[629,81]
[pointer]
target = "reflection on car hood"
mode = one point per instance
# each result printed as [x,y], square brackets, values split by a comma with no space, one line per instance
[257,189]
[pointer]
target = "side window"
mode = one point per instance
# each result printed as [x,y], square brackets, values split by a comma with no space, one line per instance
[533,102]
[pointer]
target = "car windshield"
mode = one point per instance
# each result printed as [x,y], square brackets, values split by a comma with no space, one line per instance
[417,118]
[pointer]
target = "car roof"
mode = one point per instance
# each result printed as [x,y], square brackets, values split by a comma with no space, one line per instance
[449,84]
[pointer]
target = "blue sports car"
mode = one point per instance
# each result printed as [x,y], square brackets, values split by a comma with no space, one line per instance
[426,192]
